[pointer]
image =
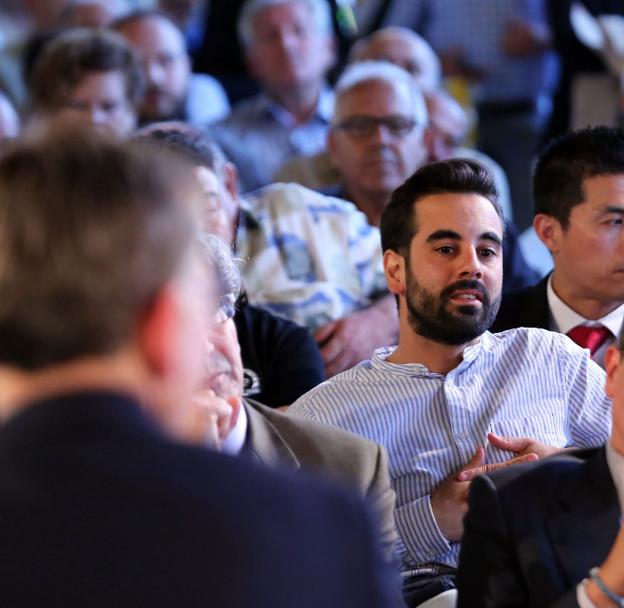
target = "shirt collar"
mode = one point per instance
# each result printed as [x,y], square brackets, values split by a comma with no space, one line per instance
[615,461]
[235,440]
[323,112]
[565,318]
[380,356]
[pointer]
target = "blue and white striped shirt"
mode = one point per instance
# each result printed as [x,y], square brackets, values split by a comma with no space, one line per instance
[521,382]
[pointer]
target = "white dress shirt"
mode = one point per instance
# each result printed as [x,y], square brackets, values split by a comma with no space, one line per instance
[235,440]
[615,461]
[563,319]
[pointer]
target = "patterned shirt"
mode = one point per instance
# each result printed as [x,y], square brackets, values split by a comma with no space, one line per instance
[308,257]
[259,136]
[521,382]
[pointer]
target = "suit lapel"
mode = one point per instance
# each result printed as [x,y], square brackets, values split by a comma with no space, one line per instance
[264,441]
[584,531]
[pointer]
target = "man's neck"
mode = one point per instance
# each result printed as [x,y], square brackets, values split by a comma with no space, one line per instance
[301,101]
[371,204]
[587,307]
[437,357]
[19,389]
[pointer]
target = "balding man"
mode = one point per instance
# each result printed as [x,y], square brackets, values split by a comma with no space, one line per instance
[172,92]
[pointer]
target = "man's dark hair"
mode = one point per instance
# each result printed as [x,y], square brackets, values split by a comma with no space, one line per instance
[188,143]
[71,55]
[456,175]
[568,161]
[90,231]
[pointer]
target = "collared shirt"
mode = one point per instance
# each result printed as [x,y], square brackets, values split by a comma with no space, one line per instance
[615,462]
[206,101]
[521,382]
[308,257]
[260,135]
[476,27]
[563,319]
[235,440]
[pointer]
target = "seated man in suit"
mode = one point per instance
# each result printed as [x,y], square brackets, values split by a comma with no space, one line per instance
[104,297]
[578,190]
[244,426]
[444,398]
[550,533]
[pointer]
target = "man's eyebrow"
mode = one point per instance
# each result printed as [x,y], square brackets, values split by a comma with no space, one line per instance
[491,236]
[439,235]
[613,209]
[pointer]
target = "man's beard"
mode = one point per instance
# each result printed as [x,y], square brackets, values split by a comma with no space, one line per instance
[430,316]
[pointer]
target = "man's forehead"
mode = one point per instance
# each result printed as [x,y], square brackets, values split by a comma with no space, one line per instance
[290,9]
[375,96]
[467,214]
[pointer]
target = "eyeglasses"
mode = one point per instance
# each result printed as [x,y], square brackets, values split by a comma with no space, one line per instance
[225,310]
[364,126]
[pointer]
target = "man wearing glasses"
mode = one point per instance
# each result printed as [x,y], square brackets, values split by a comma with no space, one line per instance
[377,137]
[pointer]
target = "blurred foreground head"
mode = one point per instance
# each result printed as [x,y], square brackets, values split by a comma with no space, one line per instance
[99,264]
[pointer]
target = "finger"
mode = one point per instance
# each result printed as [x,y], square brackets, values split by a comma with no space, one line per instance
[470,474]
[509,444]
[477,460]
[332,349]
[323,334]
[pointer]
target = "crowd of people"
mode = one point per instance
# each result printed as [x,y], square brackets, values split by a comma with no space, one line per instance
[341,327]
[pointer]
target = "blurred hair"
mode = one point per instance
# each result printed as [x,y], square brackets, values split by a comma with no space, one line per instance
[90,231]
[321,16]
[220,257]
[399,221]
[383,71]
[568,161]
[70,56]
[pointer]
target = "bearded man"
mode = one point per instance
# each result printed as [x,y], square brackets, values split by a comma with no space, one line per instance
[453,400]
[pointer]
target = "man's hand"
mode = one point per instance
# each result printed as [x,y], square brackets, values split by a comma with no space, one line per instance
[349,340]
[522,445]
[524,38]
[611,572]
[209,419]
[449,501]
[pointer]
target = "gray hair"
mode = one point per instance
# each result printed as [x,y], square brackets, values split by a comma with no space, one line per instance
[220,257]
[321,16]
[384,71]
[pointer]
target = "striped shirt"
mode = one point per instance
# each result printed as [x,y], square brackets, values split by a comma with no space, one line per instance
[521,382]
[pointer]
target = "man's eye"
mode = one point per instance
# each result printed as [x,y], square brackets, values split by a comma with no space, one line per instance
[487,253]
[446,249]
[616,221]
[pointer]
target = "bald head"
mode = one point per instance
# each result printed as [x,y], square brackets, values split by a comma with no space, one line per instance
[404,48]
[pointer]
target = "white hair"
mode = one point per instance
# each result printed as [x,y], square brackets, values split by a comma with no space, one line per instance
[384,71]
[321,16]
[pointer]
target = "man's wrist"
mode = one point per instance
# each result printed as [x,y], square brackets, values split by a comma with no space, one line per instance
[600,593]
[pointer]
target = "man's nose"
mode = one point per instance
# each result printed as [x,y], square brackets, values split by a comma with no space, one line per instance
[154,72]
[470,265]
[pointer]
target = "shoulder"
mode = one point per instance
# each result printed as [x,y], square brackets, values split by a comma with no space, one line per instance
[299,197]
[243,115]
[533,340]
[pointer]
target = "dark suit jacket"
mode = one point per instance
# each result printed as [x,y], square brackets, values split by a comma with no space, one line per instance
[355,462]
[533,531]
[526,307]
[98,508]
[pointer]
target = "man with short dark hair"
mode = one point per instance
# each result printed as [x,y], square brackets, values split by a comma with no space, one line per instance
[105,305]
[550,533]
[89,77]
[578,189]
[451,396]
[172,92]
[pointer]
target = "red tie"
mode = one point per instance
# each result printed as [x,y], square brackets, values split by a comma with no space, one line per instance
[589,337]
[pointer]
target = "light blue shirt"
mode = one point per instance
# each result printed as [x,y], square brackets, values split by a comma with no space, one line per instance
[521,382]
[206,101]
[259,136]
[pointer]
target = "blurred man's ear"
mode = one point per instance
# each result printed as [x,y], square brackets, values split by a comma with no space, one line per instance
[549,231]
[394,269]
[230,179]
[613,360]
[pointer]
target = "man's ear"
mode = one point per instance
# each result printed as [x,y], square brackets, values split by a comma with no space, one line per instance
[155,332]
[230,179]
[394,269]
[549,231]
[613,359]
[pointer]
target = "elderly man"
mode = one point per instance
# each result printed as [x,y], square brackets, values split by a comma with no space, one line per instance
[172,92]
[243,426]
[451,395]
[289,49]
[90,77]
[99,343]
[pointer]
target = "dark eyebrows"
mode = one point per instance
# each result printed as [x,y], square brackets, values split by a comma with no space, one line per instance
[613,209]
[439,235]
